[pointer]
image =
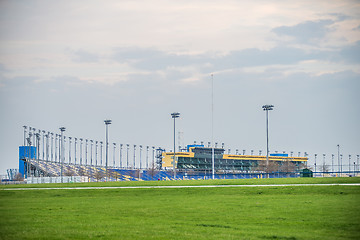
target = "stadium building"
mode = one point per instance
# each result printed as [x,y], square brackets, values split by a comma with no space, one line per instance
[199,158]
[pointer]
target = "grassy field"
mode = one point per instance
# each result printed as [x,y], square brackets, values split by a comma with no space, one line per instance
[304,212]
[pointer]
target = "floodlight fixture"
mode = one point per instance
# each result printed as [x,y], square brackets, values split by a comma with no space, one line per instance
[174,115]
[62,129]
[267,108]
[107,122]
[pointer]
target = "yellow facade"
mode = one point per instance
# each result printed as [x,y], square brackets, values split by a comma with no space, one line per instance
[271,158]
[168,157]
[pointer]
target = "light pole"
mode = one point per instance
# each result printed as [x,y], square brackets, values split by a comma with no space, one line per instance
[52,140]
[75,143]
[96,153]
[147,157]
[81,144]
[349,163]
[107,122]
[174,115]
[338,146]
[69,150]
[101,153]
[323,168]
[134,156]
[86,153]
[127,156]
[212,129]
[62,129]
[25,127]
[120,163]
[114,154]
[315,165]
[140,156]
[43,144]
[267,108]
[341,164]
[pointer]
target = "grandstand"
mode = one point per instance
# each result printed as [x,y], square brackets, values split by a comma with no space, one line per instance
[199,158]
[194,163]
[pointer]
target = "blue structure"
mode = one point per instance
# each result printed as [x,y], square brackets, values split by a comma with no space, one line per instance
[279,155]
[25,153]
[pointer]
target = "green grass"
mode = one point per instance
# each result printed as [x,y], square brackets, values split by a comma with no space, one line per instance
[194,182]
[305,212]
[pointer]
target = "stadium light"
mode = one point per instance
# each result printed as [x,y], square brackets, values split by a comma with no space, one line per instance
[134,156]
[174,116]
[147,157]
[70,150]
[140,156]
[341,164]
[338,146]
[96,153]
[62,157]
[75,143]
[81,144]
[107,122]
[120,161]
[267,108]
[114,154]
[127,156]
[25,127]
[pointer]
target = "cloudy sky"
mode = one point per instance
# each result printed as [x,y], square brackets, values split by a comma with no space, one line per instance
[76,63]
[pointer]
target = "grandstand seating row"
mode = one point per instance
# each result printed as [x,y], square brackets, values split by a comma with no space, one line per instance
[98,173]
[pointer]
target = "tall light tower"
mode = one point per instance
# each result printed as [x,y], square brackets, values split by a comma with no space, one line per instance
[267,108]
[338,146]
[107,122]
[62,129]
[174,116]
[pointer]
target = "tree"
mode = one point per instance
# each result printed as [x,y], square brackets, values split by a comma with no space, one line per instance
[153,170]
[18,177]
[98,175]
[288,167]
[270,168]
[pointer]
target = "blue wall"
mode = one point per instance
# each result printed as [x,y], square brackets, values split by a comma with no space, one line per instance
[25,152]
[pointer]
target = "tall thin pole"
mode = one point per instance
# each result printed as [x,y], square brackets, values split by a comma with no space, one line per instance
[96,153]
[341,164]
[174,116]
[140,156]
[24,135]
[338,146]
[267,108]
[147,156]
[174,153]
[43,145]
[315,164]
[52,146]
[120,160]
[127,156]
[86,152]
[81,144]
[212,128]
[75,143]
[107,122]
[62,155]
[134,156]
[267,138]
[114,154]
[101,153]
[69,150]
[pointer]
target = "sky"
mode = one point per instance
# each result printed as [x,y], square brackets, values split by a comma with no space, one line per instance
[76,63]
